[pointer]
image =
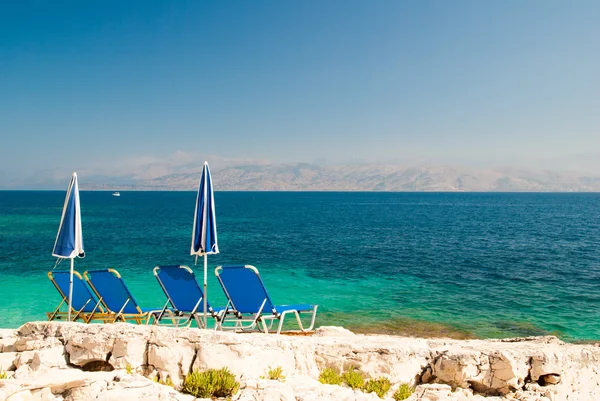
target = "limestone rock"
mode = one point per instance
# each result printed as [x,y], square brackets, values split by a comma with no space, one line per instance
[85,349]
[128,351]
[7,340]
[7,361]
[50,361]
[325,331]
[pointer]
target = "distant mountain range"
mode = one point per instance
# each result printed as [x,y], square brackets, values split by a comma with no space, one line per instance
[312,177]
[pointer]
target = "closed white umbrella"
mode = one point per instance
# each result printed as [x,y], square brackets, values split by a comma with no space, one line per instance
[69,240]
[204,233]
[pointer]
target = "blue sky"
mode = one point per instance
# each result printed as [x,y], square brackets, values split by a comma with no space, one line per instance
[90,85]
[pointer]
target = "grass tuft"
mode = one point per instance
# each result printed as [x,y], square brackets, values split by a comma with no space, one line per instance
[210,383]
[275,373]
[379,386]
[403,392]
[330,376]
[354,379]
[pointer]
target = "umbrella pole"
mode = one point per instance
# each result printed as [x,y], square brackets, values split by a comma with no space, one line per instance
[205,295]
[70,290]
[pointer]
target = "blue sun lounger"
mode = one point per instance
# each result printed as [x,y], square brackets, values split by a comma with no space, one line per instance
[249,301]
[184,295]
[116,298]
[85,305]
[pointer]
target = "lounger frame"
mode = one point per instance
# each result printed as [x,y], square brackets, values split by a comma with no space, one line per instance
[266,312]
[187,317]
[75,314]
[113,316]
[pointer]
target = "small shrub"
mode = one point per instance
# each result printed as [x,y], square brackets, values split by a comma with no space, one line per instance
[275,373]
[354,379]
[403,392]
[330,376]
[378,386]
[210,383]
[128,369]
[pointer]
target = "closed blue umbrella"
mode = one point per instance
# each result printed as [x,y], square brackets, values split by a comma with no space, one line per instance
[69,240]
[204,233]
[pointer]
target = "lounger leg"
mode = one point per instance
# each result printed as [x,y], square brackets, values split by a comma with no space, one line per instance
[154,314]
[299,321]
[218,321]
[157,315]
[314,316]
[257,322]
[80,311]
[264,324]
[300,325]
[52,316]
[280,323]
[259,318]
[194,313]
[173,318]
[91,315]
[282,318]
[119,315]
[161,314]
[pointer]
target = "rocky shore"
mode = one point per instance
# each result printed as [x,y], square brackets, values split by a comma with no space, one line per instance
[48,361]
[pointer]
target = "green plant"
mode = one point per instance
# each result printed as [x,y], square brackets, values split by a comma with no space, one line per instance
[210,383]
[354,379]
[330,376]
[379,386]
[275,373]
[128,369]
[403,392]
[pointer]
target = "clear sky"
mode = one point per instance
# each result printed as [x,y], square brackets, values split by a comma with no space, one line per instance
[88,84]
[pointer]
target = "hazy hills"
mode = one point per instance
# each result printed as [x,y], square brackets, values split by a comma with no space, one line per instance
[312,177]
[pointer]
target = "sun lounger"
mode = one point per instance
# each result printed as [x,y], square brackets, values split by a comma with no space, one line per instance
[116,298]
[248,297]
[184,296]
[85,305]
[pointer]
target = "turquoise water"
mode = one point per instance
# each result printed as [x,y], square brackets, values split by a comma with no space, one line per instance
[482,265]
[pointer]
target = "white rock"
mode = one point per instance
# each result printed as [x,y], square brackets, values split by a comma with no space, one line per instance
[7,340]
[516,369]
[85,349]
[49,358]
[325,331]
[175,360]
[129,351]
[7,361]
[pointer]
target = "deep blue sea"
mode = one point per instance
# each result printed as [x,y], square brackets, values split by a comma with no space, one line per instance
[465,265]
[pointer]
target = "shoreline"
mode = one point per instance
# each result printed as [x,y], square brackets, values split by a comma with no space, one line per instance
[414,328]
[74,361]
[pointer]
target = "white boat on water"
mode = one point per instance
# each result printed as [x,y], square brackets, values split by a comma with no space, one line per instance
[116,194]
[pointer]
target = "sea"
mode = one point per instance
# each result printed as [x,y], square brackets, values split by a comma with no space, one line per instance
[461,265]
